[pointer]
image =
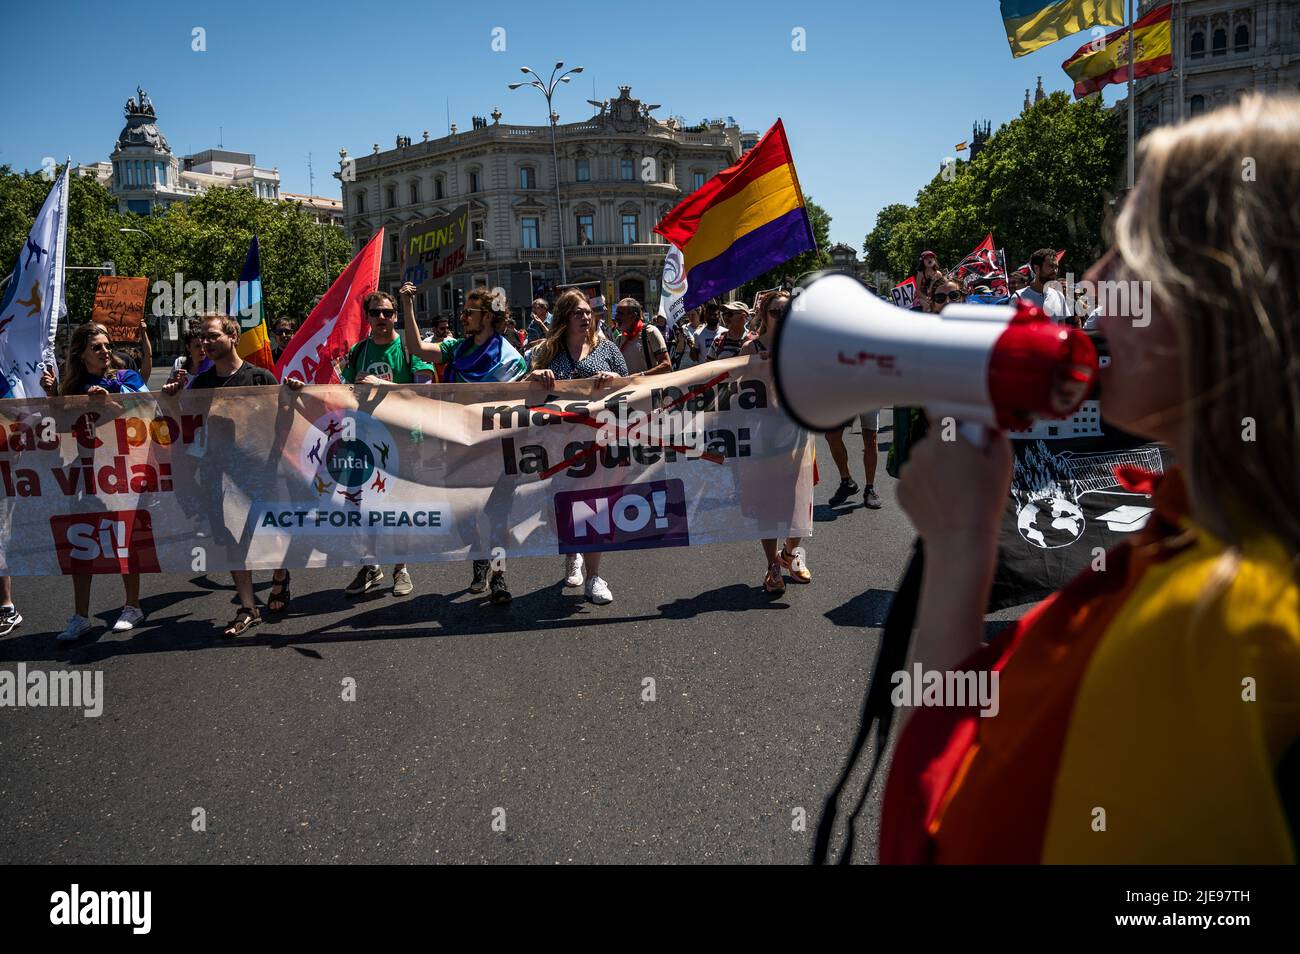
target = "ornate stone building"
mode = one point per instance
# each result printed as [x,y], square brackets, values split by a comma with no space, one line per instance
[619,172]
[1229,48]
[146,177]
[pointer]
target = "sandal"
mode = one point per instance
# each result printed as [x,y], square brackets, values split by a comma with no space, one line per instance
[774,582]
[244,620]
[795,564]
[277,601]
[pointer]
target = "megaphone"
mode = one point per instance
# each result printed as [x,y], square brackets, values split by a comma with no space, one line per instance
[839,350]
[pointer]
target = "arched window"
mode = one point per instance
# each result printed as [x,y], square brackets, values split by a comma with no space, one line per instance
[1220,44]
[390,196]
[439,189]
[1241,38]
[361,201]
[1198,44]
[473,180]
[415,192]
[527,177]
[1197,105]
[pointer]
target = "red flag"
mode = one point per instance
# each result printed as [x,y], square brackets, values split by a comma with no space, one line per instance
[1060,255]
[335,324]
[982,260]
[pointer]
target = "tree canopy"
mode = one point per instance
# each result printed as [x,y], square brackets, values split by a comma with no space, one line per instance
[1043,180]
[205,239]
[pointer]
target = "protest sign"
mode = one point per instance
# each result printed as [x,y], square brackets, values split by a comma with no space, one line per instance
[119,305]
[432,249]
[1067,506]
[904,293]
[265,477]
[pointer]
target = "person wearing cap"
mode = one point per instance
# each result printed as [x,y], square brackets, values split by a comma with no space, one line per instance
[728,345]
[927,270]
[642,345]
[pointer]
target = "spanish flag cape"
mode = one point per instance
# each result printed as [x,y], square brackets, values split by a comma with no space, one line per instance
[1140,723]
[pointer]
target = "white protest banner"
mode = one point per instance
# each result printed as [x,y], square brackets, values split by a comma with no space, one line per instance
[334,475]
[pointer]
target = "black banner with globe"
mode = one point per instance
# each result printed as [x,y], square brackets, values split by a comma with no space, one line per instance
[1066,502]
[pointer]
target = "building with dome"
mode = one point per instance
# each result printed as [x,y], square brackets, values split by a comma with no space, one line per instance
[146,177]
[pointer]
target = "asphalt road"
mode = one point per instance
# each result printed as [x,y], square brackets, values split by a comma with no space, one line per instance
[465,714]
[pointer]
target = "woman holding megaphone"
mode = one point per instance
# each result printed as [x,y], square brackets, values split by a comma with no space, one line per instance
[1149,712]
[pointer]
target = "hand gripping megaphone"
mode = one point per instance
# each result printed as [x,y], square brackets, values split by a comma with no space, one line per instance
[840,350]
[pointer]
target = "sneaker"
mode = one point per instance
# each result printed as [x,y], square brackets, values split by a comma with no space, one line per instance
[9,619]
[480,581]
[402,584]
[573,569]
[500,593]
[130,616]
[871,499]
[795,563]
[598,591]
[848,487]
[367,578]
[77,627]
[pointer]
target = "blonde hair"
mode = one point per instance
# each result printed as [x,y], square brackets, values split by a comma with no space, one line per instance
[550,346]
[1214,226]
[760,308]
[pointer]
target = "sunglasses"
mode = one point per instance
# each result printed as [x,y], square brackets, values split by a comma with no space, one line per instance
[284,332]
[382,312]
[946,296]
[100,347]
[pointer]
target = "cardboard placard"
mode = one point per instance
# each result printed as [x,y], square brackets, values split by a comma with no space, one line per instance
[119,305]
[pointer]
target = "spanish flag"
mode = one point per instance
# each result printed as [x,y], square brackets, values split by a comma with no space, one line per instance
[1032,24]
[1096,65]
[1125,730]
[745,220]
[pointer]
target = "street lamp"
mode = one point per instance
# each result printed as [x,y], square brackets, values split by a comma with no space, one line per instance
[494,257]
[548,90]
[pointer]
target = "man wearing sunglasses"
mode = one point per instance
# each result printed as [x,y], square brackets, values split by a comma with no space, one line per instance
[281,335]
[382,358]
[642,345]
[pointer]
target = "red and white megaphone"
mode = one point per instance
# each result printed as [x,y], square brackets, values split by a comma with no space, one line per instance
[840,350]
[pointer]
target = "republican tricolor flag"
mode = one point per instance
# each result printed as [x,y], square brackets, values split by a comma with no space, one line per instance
[247,308]
[744,221]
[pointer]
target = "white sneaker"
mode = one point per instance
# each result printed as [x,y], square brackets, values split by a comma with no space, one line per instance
[78,626]
[573,569]
[598,591]
[130,616]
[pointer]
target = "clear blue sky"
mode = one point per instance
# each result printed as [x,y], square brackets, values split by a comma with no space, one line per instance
[881,95]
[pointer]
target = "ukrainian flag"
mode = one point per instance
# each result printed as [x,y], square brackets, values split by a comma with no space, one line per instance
[1091,68]
[745,220]
[1032,24]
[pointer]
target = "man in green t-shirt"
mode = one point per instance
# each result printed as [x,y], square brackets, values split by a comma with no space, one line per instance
[383,359]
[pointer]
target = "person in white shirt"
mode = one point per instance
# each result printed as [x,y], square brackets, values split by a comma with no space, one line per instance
[1042,291]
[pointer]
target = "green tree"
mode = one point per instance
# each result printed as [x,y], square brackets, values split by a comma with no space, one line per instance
[1044,179]
[205,239]
[801,264]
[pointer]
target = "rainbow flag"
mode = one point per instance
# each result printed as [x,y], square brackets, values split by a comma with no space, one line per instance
[745,220]
[1096,65]
[1032,24]
[254,339]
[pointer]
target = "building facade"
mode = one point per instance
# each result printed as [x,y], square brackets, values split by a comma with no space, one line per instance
[619,173]
[146,178]
[1226,48]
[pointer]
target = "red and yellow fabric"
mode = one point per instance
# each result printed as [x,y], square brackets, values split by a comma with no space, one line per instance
[1124,692]
[1092,67]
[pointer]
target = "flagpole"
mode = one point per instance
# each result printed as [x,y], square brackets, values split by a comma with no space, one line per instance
[1176,32]
[1132,106]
